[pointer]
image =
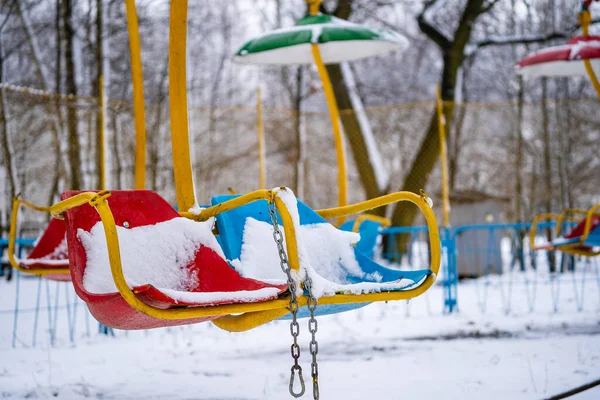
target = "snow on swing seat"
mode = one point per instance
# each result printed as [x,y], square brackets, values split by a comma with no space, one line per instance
[327,253]
[50,251]
[168,261]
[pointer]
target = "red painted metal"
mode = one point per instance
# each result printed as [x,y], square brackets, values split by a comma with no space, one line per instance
[146,208]
[578,48]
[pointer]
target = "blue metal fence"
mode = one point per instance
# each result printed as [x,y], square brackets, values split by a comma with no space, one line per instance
[492,262]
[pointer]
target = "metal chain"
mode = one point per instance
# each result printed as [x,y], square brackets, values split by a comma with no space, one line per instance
[313,327]
[294,326]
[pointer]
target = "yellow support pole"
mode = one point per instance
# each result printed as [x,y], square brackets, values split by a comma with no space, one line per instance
[585,18]
[261,141]
[334,114]
[139,111]
[443,156]
[182,163]
[102,148]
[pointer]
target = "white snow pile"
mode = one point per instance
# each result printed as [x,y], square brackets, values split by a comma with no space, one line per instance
[159,255]
[154,254]
[58,257]
[325,253]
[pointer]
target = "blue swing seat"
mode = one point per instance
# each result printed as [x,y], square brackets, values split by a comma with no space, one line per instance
[231,228]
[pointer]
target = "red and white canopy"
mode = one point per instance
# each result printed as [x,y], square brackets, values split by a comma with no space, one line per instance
[566,60]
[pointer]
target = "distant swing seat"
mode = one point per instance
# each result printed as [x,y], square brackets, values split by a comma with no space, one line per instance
[194,274]
[49,257]
[577,242]
[340,268]
[583,239]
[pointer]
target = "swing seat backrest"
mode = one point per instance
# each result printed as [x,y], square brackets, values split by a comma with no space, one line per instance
[577,232]
[369,232]
[144,208]
[231,225]
[50,251]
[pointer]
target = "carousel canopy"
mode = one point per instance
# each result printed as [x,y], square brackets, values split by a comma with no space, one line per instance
[566,60]
[338,40]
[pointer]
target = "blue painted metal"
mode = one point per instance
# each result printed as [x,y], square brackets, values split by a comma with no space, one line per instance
[369,232]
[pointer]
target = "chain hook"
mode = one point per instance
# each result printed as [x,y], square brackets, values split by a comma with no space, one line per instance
[293,378]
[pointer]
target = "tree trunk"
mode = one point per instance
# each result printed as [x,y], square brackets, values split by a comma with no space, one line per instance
[300,172]
[9,163]
[453,57]
[44,79]
[71,87]
[354,135]
[519,157]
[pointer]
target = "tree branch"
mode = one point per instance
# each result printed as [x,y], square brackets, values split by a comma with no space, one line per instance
[429,30]
[527,39]
[488,7]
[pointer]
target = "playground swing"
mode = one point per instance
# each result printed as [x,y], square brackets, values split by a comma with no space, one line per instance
[580,56]
[49,256]
[166,268]
[583,239]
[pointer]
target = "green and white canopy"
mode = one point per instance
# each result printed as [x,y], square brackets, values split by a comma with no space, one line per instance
[338,40]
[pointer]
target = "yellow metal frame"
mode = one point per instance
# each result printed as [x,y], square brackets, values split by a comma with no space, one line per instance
[238,323]
[137,79]
[260,127]
[370,217]
[443,155]
[12,237]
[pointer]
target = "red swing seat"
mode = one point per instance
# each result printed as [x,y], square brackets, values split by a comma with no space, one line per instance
[49,251]
[146,208]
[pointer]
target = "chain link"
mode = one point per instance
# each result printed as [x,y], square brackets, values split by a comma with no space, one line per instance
[294,326]
[313,327]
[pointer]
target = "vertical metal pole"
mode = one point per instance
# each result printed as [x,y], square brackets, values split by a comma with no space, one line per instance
[138,94]
[443,155]
[16,318]
[37,312]
[182,163]
[261,141]
[334,114]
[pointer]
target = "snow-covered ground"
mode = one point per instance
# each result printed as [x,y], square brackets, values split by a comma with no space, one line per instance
[383,351]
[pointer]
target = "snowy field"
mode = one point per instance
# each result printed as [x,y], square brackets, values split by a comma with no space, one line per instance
[383,351]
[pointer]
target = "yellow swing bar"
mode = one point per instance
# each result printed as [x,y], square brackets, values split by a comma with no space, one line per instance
[443,154]
[138,95]
[182,163]
[334,114]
